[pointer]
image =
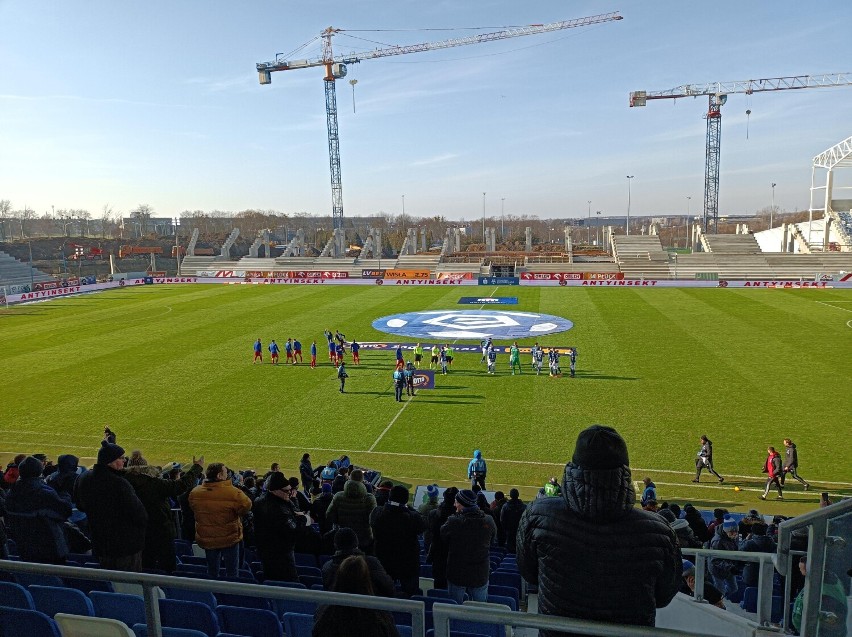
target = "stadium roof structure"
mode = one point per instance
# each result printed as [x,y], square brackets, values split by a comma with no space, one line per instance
[838,155]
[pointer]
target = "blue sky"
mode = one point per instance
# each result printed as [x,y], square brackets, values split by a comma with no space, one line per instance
[159,103]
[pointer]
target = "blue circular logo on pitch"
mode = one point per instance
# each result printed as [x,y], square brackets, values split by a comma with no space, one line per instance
[473,324]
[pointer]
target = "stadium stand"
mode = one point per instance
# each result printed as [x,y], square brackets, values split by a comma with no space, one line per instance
[14,272]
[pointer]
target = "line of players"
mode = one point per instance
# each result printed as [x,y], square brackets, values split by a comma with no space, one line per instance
[489,355]
[293,350]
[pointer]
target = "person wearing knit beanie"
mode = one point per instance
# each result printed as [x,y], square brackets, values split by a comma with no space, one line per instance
[613,549]
[109,453]
[466,498]
[468,535]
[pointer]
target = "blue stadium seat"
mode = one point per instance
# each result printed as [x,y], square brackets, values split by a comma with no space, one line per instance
[425,570]
[141,630]
[243,601]
[251,622]
[284,606]
[57,599]
[404,631]
[298,624]
[129,609]
[205,597]
[275,582]
[309,570]
[749,601]
[12,547]
[35,579]
[18,621]
[505,591]
[454,633]
[194,559]
[88,585]
[464,626]
[183,547]
[511,602]
[310,580]
[16,596]
[305,559]
[177,613]
[318,587]
[500,578]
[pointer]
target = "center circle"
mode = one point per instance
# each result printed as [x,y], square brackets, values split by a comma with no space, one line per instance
[471,324]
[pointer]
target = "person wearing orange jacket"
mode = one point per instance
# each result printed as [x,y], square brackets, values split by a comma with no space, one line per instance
[218,507]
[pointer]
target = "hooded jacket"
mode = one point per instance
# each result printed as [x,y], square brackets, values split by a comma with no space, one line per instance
[791,457]
[35,514]
[218,507]
[117,517]
[154,492]
[477,465]
[593,555]
[351,507]
[468,536]
[721,567]
[63,479]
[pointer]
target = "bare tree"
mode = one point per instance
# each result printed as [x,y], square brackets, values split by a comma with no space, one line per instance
[106,216]
[142,213]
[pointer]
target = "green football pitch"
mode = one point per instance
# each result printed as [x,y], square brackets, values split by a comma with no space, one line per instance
[169,369]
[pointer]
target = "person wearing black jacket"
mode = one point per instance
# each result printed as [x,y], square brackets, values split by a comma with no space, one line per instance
[117,517]
[275,527]
[758,542]
[696,523]
[437,555]
[346,545]
[154,492]
[36,514]
[306,472]
[510,518]
[396,529]
[591,552]
[468,535]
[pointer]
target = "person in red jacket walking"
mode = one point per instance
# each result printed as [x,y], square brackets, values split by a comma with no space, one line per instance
[772,467]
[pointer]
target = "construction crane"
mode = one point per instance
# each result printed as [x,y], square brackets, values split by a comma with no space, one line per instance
[718,92]
[335,68]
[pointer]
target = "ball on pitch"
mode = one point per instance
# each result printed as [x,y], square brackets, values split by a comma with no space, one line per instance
[736,488]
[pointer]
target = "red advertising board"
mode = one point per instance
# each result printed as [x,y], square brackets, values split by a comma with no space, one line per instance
[455,276]
[552,276]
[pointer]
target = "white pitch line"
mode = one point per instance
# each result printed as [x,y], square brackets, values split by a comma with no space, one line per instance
[378,453]
[390,424]
[844,309]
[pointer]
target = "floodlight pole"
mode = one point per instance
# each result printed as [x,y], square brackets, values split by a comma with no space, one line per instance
[629,179]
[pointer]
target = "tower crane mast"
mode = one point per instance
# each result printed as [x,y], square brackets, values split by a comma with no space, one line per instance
[717,93]
[335,68]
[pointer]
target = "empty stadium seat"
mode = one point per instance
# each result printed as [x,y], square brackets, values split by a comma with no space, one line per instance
[30,579]
[129,609]
[81,626]
[88,585]
[15,596]
[187,595]
[29,623]
[177,613]
[51,600]
[251,622]
[243,601]
[298,624]
[141,630]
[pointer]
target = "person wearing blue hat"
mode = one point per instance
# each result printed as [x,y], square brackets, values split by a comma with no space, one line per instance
[723,570]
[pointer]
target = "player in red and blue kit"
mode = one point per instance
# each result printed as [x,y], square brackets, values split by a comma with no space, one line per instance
[273,350]
[288,350]
[340,352]
[332,352]
[356,348]
[297,351]
[258,352]
[313,354]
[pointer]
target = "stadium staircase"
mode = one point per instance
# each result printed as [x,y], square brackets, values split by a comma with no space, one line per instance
[193,240]
[14,272]
[842,220]
[229,242]
[641,256]
[732,243]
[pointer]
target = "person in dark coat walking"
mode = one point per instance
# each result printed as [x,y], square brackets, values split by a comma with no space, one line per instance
[117,517]
[36,514]
[772,467]
[704,460]
[350,621]
[155,492]
[306,473]
[468,534]
[396,529]
[510,518]
[791,463]
[276,524]
[437,555]
[346,545]
[591,552]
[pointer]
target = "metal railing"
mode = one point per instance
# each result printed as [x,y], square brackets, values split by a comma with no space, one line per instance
[150,583]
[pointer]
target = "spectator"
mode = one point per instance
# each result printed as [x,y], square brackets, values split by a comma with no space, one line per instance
[36,515]
[675,509]
[649,492]
[275,526]
[758,542]
[496,507]
[468,535]
[685,537]
[724,571]
[396,529]
[431,501]
[749,520]
[340,480]
[4,549]
[117,517]
[552,488]
[62,480]
[593,554]
[477,470]
[352,507]
[652,506]
[273,468]
[346,545]
[250,488]
[712,594]
[510,518]
[218,506]
[306,472]
[154,493]
[10,476]
[358,476]
[833,603]
[109,436]
[353,576]
[319,506]
[329,472]
[383,492]
[696,523]
[297,498]
[718,518]
[437,554]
